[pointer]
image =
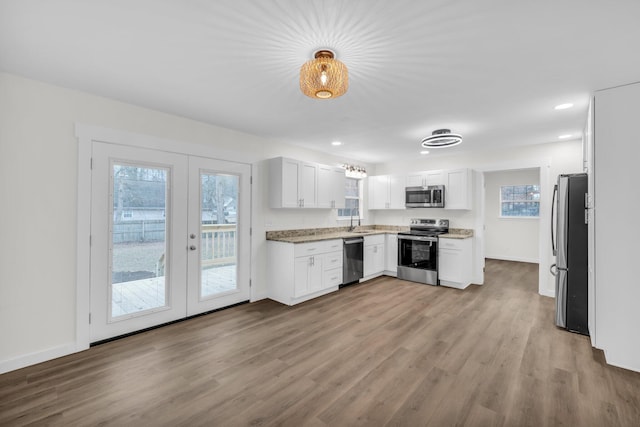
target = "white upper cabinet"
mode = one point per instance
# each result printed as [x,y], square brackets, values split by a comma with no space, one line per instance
[386,192]
[331,187]
[308,184]
[458,189]
[298,184]
[435,178]
[424,179]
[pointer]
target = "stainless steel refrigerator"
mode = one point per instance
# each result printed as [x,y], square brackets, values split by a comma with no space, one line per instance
[569,242]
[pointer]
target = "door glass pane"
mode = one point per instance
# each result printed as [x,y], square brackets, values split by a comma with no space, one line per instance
[138,236]
[218,231]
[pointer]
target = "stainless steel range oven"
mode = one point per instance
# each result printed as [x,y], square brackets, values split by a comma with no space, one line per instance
[418,250]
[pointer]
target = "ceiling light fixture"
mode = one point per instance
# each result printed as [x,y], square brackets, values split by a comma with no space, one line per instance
[565,136]
[424,152]
[353,171]
[563,106]
[336,143]
[441,138]
[324,76]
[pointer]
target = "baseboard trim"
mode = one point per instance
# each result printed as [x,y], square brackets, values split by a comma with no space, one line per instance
[37,357]
[548,293]
[611,361]
[513,258]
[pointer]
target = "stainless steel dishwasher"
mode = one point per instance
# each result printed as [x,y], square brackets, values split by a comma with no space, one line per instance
[352,254]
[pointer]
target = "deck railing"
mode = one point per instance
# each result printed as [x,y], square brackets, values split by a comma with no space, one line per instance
[218,244]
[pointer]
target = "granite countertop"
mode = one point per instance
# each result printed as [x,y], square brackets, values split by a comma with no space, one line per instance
[458,233]
[317,234]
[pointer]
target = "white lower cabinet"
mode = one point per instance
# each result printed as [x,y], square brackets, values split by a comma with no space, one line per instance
[455,262]
[374,255]
[298,272]
[391,251]
[307,275]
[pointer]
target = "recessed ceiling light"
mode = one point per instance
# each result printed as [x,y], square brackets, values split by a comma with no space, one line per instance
[336,143]
[424,152]
[563,106]
[565,136]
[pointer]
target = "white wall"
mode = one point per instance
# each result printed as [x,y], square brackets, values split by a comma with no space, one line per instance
[511,239]
[38,192]
[617,284]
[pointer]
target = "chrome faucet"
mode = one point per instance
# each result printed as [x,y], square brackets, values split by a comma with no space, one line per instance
[351,227]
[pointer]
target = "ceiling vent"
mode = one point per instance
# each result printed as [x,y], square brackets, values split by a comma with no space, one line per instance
[441,138]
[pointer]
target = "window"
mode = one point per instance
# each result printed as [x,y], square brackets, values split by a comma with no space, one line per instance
[520,201]
[351,199]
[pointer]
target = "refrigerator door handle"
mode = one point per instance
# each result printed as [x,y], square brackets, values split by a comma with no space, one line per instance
[553,204]
[553,269]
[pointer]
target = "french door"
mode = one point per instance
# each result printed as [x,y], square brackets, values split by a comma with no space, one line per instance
[169,237]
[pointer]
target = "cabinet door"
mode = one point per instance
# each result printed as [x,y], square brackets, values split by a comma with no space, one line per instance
[415,180]
[396,192]
[314,279]
[308,182]
[457,191]
[378,192]
[307,275]
[435,178]
[373,259]
[326,186]
[290,181]
[449,265]
[368,261]
[379,258]
[391,253]
[339,183]
[300,276]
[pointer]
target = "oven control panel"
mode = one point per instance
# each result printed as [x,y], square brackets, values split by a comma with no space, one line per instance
[430,222]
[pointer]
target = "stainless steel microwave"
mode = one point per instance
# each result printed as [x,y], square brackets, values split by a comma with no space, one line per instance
[431,196]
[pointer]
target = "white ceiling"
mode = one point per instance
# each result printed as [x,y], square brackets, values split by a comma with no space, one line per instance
[491,70]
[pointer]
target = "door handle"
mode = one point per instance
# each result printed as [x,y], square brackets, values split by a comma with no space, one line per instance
[553,269]
[192,247]
[553,199]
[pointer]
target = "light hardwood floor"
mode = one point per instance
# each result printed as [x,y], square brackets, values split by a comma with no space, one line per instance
[386,352]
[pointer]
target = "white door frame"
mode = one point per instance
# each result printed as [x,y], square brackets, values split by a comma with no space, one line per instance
[86,134]
[544,246]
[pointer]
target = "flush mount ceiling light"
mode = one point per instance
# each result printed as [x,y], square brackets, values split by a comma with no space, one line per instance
[441,138]
[324,76]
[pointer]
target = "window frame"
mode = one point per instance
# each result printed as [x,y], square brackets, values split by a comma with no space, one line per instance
[526,201]
[359,198]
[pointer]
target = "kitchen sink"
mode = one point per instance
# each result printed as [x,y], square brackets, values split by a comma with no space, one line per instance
[362,232]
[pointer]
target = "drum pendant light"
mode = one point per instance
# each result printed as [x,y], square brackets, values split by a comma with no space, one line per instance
[324,77]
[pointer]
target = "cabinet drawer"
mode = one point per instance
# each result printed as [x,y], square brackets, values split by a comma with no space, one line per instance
[333,245]
[376,239]
[305,249]
[333,260]
[451,243]
[332,277]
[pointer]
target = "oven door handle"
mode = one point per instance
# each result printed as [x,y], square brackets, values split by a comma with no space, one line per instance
[420,238]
